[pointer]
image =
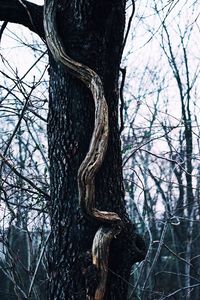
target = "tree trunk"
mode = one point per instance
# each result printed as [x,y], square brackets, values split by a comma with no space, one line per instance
[92,33]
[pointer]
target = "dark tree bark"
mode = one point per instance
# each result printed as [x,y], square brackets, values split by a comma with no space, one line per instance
[24,13]
[92,33]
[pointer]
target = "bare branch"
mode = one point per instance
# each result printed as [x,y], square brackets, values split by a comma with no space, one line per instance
[23,177]
[27,14]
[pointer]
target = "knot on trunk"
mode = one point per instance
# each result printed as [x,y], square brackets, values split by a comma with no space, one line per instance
[129,246]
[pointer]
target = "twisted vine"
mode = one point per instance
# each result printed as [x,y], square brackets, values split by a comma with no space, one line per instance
[97,149]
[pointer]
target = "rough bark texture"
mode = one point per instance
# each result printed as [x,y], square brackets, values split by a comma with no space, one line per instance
[92,33]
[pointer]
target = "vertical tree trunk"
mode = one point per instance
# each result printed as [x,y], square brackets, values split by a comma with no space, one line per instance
[92,33]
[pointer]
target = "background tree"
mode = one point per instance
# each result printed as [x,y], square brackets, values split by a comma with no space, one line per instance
[161,138]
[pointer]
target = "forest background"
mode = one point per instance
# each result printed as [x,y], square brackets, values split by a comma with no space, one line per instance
[159,121]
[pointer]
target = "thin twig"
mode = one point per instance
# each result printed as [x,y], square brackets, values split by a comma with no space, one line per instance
[26,73]
[121,94]
[23,177]
[3,27]
[179,290]
[129,25]
[38,264]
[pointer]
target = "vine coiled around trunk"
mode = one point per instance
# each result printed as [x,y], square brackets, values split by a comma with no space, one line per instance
[97,148]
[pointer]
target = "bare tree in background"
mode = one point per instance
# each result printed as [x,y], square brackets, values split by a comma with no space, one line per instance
[161,151]
[23,167]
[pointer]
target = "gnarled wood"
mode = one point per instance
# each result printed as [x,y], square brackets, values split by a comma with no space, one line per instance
[99,140]
[100,255]
[96,152]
